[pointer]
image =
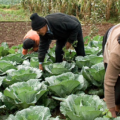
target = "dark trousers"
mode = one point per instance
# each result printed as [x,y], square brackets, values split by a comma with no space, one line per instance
[117,85]
[79,48]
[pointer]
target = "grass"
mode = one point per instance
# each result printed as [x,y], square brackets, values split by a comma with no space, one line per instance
[13,13]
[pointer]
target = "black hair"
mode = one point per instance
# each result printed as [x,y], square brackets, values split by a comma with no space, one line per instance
[28,43]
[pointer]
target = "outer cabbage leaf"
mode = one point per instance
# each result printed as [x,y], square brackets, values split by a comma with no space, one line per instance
[20,75]
[98,92]
[57,118]
[24,73]
[102,118]
[32,113]
[95,44]
[2,106]
[118,118]
[59,68]
[82,107]
[16,49]
[66,83]
[35,63]
[88,60]
[34,70]
[95,74]
[4,49]
[93,50]
[51,53]
[24,94]
[17,58]
[29,56]
[4,66]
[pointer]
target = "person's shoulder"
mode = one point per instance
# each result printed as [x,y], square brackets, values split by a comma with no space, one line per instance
[116,27]
[56,15]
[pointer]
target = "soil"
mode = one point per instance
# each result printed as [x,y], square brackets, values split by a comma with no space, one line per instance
[13,32]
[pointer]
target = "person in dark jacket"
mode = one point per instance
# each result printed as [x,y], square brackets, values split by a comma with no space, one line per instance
[64,28]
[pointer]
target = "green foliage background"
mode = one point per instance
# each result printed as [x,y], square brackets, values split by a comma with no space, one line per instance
[10,2]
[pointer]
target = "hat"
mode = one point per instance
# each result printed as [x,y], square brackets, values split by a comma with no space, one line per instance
[37,21]
[28,43]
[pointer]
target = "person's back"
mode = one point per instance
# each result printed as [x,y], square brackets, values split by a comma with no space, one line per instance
[111,43]
[30,38]
[61,24]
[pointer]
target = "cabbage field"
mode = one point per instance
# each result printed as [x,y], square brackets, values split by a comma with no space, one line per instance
[71,90]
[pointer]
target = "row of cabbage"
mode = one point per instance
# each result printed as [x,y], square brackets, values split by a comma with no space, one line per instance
[74,86]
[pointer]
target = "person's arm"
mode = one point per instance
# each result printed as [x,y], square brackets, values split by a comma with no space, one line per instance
[43,47]
[72,27]
[111,77]
[40,66]
[24,51]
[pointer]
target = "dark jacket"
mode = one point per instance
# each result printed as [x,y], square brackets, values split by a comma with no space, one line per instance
[105,39]
[64,28]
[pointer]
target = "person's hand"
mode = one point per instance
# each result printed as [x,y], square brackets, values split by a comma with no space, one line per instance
[113,112]
[40,67]
[31,51]
[117,108]
[104,99]
[68,45]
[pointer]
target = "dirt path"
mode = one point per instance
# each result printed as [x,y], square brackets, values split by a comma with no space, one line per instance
[13,32]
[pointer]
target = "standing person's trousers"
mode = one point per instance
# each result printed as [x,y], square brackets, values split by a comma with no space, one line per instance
[117,86]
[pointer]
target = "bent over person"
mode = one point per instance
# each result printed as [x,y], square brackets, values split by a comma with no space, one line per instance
[31,41]
[64,28]
[111,55]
